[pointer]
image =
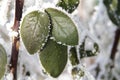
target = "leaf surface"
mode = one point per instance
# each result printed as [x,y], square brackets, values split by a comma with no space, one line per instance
[64,29]
[34,30]
[54,58]
[73,56]
[68,5]
[113,10]
[88,53]
[3,61]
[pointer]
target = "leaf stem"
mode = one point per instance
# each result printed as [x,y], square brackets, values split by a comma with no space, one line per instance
[115,44]
[16,39]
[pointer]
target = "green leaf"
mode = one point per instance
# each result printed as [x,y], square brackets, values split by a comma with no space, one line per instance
[54,58]
[73,56]
[64,29]
[88,53]
[34,30]
[68,5]
[77,72]
[3,61]
[82,50]
[113,9]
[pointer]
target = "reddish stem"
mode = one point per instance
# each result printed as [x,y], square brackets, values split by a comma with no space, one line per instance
[115,45]
[16,39]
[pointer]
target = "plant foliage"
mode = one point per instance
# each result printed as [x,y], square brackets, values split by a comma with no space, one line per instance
[3,61]
[34,30]
[54,58]
[113,9]
[39,27]
[68,5]
[63,27]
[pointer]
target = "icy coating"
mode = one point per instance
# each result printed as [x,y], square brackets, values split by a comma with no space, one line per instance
[91,20]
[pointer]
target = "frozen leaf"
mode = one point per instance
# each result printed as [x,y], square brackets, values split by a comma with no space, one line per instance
[113,9]
[3,61]
[96,48]
[77,73]
[34,30]
[54,58]
[68,5]
[73,56]
[64,29]
[88,53]
[82,50]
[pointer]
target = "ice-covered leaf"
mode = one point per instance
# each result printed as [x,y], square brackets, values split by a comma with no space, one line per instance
[113,9]
[73,56]
[68,5]
[34,30]
[96,48]
[64,29]
[77,73]
[54,58]
[88,53]
[3,61]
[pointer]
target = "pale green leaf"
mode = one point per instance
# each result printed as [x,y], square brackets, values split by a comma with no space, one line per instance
[64,29]
[3,61]
[54,58]
[34,30]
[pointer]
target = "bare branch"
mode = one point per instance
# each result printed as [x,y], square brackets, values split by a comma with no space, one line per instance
[16,39]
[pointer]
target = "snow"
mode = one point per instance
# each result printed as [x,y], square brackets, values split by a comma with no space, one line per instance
[9,77]
[4,10]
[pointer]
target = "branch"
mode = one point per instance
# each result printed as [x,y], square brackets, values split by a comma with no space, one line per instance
[115,44]
[16,39]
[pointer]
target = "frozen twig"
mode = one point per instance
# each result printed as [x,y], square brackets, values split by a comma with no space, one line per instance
[115,45]
[16,39]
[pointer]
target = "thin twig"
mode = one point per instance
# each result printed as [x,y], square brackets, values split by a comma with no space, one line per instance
[16,39]
[115,45]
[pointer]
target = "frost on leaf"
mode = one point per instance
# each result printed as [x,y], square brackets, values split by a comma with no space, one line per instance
[64,29]
[68,5]
[34,30]
[113,9]
[86,49]
[3,61]
[88,52]
[80,73]
[77,73]
[73,56]
[54,58]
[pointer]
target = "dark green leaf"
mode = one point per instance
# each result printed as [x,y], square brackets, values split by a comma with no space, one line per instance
[34,30]
[77,71]
[64,30]
[73,56]
[113,9]
[96,47]
[68,5]
[82,50]
[3,61]
[54,58]
[88,53]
